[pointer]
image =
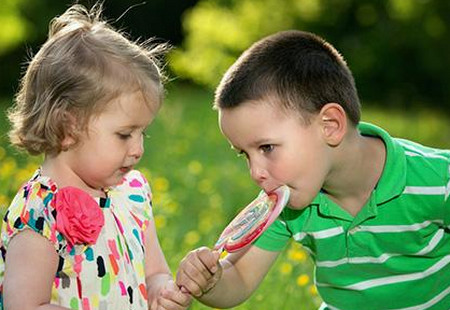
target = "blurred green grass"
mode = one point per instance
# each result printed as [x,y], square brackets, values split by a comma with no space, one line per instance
[199,184]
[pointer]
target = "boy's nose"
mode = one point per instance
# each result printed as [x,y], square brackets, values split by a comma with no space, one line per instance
[259,175]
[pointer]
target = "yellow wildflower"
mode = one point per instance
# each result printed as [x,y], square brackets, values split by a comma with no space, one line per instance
[160,184]
[206,223]
[204,186]
[160,221]
[170,207]
[297,255]
[195,167]
[191,238]
[285,268]
[302,280]
[8,167]
[313,290]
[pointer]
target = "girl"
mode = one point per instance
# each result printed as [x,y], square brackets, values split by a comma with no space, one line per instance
[79,234]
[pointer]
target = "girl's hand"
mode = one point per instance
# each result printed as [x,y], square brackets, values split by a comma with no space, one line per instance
[172,298]
[199,271]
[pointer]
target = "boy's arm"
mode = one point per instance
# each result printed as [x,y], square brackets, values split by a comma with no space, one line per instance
[239,274]
[31,264]
[161,289]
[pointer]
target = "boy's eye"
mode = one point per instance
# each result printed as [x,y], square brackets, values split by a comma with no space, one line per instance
[124,136]
[267,148]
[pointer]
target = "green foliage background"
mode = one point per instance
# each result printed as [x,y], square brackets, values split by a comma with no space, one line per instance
[397,49]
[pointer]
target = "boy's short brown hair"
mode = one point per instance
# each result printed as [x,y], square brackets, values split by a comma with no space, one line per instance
[297,69]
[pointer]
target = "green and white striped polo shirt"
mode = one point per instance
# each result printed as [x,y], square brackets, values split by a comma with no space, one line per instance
[395,253]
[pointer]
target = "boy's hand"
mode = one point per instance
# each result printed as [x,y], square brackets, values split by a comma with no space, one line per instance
[199,271]
[172,298]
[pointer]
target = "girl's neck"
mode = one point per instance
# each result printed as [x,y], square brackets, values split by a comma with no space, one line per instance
[64,176]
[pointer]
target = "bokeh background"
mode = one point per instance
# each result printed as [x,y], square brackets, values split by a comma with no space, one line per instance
[398,51]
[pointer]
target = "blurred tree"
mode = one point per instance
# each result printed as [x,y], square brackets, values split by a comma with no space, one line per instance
[25,25]
[397,49]
[14,27]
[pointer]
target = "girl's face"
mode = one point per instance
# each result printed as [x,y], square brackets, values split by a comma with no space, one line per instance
[279,149]
[113,142]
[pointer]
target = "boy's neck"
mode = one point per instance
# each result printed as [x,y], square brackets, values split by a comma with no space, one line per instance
[356,171]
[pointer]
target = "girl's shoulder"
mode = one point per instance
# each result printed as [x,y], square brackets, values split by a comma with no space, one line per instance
[31,208]
[33,197]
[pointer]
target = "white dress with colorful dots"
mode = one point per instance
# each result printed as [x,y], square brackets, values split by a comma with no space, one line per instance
[106,275]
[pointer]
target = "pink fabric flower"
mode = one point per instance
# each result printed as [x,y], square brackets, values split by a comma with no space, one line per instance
[79,217]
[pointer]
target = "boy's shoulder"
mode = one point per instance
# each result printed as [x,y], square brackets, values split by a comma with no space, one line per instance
[426,166]
[407,147]
[413,148]
[408,165]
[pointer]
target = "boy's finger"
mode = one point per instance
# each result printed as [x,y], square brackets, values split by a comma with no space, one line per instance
[209,258]
[193,285]
[194,266]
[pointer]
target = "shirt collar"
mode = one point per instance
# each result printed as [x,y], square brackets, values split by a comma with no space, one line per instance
[393,179]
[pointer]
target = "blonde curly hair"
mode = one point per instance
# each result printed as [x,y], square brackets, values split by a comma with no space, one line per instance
[84,64]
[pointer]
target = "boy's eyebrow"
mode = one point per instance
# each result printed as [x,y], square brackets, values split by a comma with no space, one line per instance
[256,143]
[260,142]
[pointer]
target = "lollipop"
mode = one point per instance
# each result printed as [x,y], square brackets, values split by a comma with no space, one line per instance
[253,220]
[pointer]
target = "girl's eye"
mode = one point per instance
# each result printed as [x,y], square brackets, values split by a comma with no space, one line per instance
[267,148]
[145,135]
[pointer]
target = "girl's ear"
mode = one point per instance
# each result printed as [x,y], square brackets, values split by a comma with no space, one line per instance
[333,120]
[70,129]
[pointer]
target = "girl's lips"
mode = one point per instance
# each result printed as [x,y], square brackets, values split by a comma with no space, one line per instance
[125,169]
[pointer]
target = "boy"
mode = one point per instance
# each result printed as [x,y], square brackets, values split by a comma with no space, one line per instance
[372,210]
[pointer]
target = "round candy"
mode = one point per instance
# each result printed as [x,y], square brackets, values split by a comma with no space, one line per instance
[253,220]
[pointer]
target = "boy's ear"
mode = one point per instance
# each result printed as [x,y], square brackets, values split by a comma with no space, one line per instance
[333,120]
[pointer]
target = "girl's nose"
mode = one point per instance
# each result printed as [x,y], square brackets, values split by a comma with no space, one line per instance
[137,149]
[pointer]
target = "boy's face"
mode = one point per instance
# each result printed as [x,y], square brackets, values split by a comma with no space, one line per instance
[279,148]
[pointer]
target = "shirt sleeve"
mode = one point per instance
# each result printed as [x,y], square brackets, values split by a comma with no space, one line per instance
[32,209]
[139,198]
[275,237]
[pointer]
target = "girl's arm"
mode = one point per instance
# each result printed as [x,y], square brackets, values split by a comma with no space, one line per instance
[30,267]
[161,288]
[239,274]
